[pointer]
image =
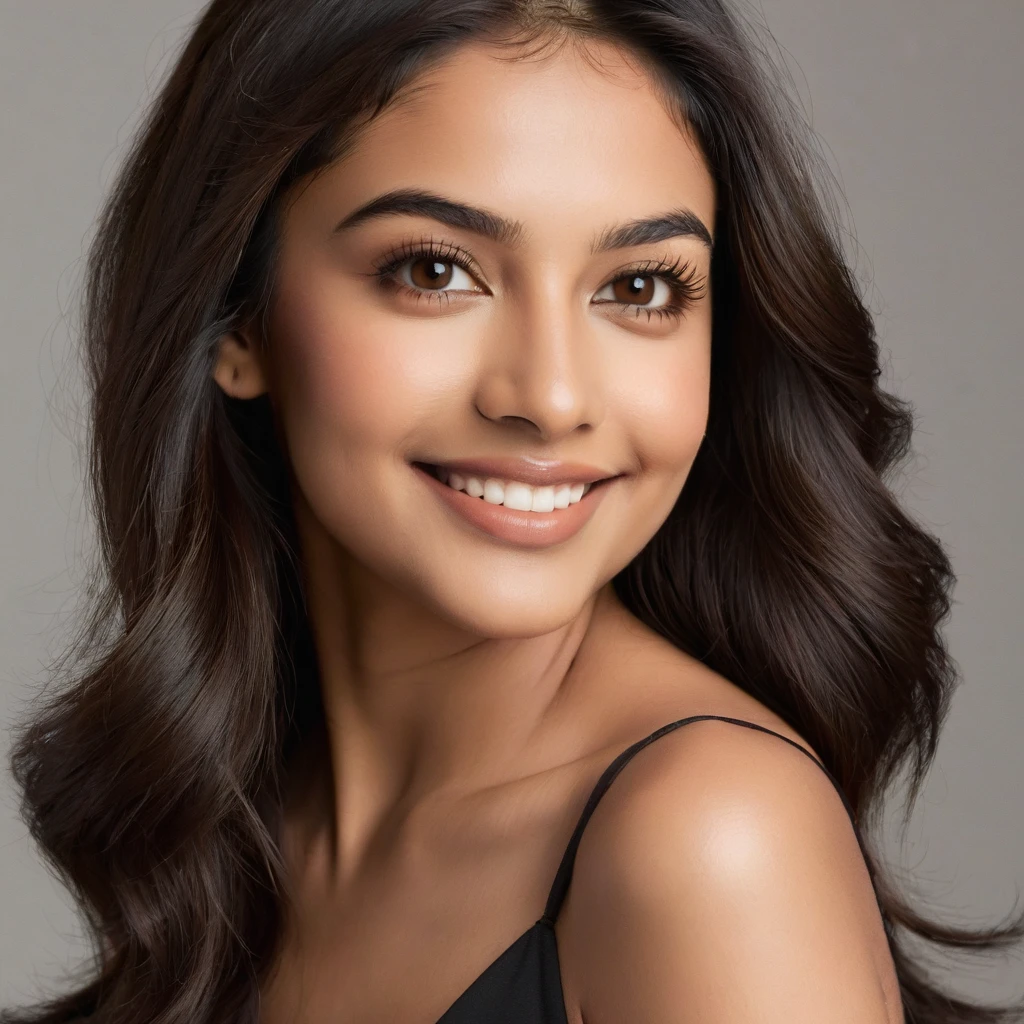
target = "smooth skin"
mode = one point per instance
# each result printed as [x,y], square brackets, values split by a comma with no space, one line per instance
[475,690]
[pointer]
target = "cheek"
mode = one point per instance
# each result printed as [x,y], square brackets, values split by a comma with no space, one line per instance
[664,403]
[343,379]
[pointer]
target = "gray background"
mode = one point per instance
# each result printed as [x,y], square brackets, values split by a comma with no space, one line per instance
[918,103]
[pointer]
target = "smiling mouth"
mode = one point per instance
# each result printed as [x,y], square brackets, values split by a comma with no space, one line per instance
[513,494]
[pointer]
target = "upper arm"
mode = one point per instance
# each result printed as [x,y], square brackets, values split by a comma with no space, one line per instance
[720,880]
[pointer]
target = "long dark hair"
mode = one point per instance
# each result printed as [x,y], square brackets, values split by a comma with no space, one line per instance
[154,778]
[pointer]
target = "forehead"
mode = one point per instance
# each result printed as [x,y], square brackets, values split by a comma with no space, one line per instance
[577,131]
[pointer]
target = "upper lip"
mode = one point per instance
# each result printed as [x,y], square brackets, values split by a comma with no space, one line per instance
[536,472]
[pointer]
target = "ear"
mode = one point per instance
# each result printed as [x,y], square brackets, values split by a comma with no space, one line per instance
[239,367]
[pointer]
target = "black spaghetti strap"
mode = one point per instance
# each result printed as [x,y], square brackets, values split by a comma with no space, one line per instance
[562,877]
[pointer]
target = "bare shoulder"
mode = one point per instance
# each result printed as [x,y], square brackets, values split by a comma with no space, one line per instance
[721,872]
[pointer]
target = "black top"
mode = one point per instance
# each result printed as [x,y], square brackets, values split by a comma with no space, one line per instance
[523,984]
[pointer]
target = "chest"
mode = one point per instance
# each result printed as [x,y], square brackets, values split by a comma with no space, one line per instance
[523,982]
[429,938]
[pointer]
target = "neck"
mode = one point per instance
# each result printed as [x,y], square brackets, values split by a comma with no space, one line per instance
[417,709]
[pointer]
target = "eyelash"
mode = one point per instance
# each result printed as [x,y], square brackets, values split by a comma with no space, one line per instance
[680,276]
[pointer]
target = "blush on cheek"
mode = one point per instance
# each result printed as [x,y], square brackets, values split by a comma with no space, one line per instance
[333,365]
[667,404]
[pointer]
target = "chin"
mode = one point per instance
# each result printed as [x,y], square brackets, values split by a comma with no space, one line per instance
[510,613]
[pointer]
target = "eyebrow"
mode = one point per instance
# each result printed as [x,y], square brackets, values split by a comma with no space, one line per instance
[418,202]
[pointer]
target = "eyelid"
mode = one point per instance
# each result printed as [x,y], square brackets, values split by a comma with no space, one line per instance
[394,258]
[679,275]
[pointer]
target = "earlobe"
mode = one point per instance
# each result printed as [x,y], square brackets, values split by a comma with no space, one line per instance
[238,368]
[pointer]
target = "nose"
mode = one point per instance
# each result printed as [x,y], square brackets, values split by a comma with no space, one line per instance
[542,367]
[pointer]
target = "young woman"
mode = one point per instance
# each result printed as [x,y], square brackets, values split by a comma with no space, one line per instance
[506,619]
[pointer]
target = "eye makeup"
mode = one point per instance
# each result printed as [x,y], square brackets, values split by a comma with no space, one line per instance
[680,276]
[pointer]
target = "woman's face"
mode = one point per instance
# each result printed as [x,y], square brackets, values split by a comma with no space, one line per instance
[532,341]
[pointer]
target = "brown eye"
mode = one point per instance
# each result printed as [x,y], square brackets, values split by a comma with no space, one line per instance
[425,270]
[634,289]
[429,272]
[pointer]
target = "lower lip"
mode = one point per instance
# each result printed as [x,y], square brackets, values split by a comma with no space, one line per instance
[525,529]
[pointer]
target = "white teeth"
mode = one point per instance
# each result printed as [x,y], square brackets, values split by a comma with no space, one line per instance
[516,495]
[543,499]
[494,492]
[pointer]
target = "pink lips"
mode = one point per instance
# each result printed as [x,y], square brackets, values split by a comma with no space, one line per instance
[524,529]
[536,472]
